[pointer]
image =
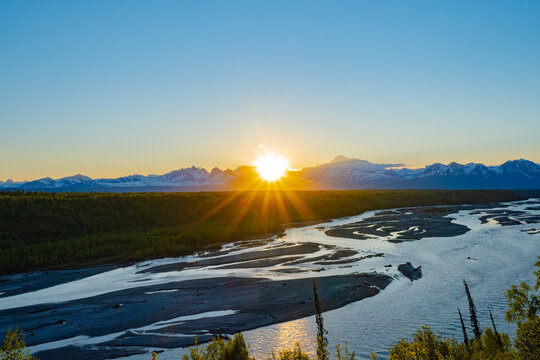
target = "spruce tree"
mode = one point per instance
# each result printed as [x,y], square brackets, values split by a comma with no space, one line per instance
[495,330]
[472,309]
[464,329]
[322,341]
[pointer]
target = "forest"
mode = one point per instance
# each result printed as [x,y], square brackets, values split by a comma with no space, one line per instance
[40,230]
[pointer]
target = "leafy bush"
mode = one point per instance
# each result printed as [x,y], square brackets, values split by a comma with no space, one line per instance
[523,300]
[14,347]
[218,349]
[527,340]
[294,354]
[236,349]
[428,346]
[523,308]
[344,354]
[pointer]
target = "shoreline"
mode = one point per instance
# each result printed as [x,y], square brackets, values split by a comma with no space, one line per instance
[123,229]
[118,318]
[255,302]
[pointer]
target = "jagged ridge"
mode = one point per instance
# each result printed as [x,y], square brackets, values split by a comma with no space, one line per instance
[340,173]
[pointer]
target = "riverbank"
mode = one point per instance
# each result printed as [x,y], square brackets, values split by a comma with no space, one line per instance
[265,285]
[69,230]
[128,322]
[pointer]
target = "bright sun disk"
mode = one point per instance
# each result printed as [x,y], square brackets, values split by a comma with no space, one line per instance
[271,167]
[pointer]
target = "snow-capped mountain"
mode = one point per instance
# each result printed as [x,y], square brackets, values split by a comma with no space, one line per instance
[188,177]
[192,176]
[48,183]
[340,173]
[343,170]
[344,173]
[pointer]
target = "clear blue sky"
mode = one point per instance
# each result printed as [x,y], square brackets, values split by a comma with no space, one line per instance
[110,88]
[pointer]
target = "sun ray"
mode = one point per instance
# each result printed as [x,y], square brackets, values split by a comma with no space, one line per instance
[280,204]
[301,207]
[244,206]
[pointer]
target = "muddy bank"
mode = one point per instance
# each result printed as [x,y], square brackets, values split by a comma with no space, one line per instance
[508,217]
[11,285]
[284,250]
[136,316]
[407,224]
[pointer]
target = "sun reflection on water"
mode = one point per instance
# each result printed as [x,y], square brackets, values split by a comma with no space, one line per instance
[283,336]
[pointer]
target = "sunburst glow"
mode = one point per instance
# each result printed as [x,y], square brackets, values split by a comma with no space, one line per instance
[271,167]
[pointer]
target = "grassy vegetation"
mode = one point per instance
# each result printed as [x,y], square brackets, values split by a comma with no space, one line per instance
[39,229]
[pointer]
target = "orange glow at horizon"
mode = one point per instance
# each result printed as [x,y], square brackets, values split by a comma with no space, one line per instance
[271,167]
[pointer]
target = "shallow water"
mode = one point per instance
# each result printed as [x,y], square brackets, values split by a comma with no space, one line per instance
[490,257]
[503,256]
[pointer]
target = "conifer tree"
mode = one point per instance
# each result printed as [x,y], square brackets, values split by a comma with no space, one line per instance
[322,341]
[464,329]
[472,309]
[495,330]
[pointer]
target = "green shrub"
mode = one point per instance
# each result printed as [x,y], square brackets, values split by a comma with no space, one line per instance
[218,349]
[527,340]
[294,354]
[14,347]
[523,300]
[344,354]
[523,308]
[489,347]
[427,346]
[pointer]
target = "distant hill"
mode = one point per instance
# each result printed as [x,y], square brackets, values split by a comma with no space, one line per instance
[340,173]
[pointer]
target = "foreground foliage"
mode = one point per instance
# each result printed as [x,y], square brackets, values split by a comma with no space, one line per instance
[523,309]
[14,347]
[39,229]
[426,345]
[234,348]
[295,354]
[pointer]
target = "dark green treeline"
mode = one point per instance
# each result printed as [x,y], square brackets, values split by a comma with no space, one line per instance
[39,229]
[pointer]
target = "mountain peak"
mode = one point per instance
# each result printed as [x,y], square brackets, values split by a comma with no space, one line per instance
[341,173]
[520,165]
[343,160]
[77,177]
[340,158]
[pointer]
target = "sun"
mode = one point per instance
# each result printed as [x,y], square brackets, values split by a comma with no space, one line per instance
[271,167]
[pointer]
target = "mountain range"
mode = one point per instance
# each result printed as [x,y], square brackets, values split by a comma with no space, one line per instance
[345,173]
[340,173]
